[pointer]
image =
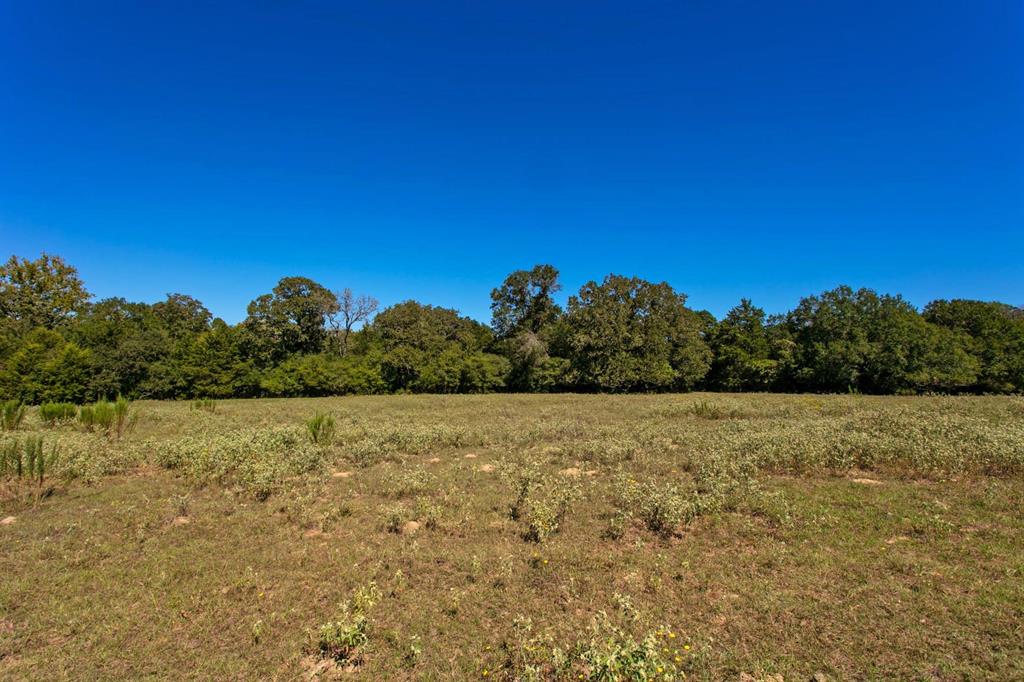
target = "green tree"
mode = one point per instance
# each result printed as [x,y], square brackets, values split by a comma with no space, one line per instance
[45,292]
[745,356]
[46,367]
[857,340]
[524,302]
[291,319]
[994,335]
[127,340]
[629,334]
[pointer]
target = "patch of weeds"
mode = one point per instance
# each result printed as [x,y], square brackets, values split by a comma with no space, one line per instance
[341,638]
[407,482]
[546,514]
[430,513]
[522,477]
[394,517]
[413,652]
[707,410]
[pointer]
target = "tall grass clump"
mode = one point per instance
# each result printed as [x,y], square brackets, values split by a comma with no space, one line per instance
[55,413]
[112,418]
[11,414]
[320,428]
[26,460]
[204,404]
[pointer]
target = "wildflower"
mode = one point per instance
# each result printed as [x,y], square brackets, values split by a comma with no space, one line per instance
[686,646]
[485,673]
[671,635]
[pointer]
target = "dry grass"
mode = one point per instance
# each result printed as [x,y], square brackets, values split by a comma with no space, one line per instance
[706,535]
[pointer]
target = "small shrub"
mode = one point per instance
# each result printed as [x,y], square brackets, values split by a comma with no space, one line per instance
[661,507]
[12,412]
[394,517]
[320,428]
[55,413]
[544,517]
[341,639]
[204,405]
[522,478]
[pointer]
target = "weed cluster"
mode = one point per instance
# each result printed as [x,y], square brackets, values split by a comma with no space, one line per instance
[341,638]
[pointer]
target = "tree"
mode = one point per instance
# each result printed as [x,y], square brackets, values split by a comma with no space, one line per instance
[127,340]
[45,292]
[352,310]
[46,367]
[524,316]
[745,358]
[847,340]
[994,335]
[433,349]
[629,334]
[182,315]
[524,302]
[289,320]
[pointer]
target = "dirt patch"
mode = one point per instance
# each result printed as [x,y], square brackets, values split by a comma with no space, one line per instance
[866,481]
[574,472]
[181,521]
[486,468]
[341,474]
[433,460]
[313,533]
[8,520]
[410,527]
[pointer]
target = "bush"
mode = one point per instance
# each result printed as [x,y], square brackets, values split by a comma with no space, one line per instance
[52,413]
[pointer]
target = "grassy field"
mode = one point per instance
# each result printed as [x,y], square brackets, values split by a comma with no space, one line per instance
[705,536]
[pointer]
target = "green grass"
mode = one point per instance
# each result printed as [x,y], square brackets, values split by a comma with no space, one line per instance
[859,537]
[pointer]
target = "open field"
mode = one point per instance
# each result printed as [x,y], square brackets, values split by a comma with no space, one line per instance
[708,536]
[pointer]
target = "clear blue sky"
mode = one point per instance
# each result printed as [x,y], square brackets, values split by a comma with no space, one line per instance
[425,149]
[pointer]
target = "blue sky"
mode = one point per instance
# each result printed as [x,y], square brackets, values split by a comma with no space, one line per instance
[424,150]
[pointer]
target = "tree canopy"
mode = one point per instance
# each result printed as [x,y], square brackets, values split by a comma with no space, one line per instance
[620,334]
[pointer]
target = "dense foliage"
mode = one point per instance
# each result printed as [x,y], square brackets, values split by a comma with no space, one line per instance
[618,335]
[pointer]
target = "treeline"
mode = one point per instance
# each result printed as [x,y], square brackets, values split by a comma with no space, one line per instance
[621,334]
